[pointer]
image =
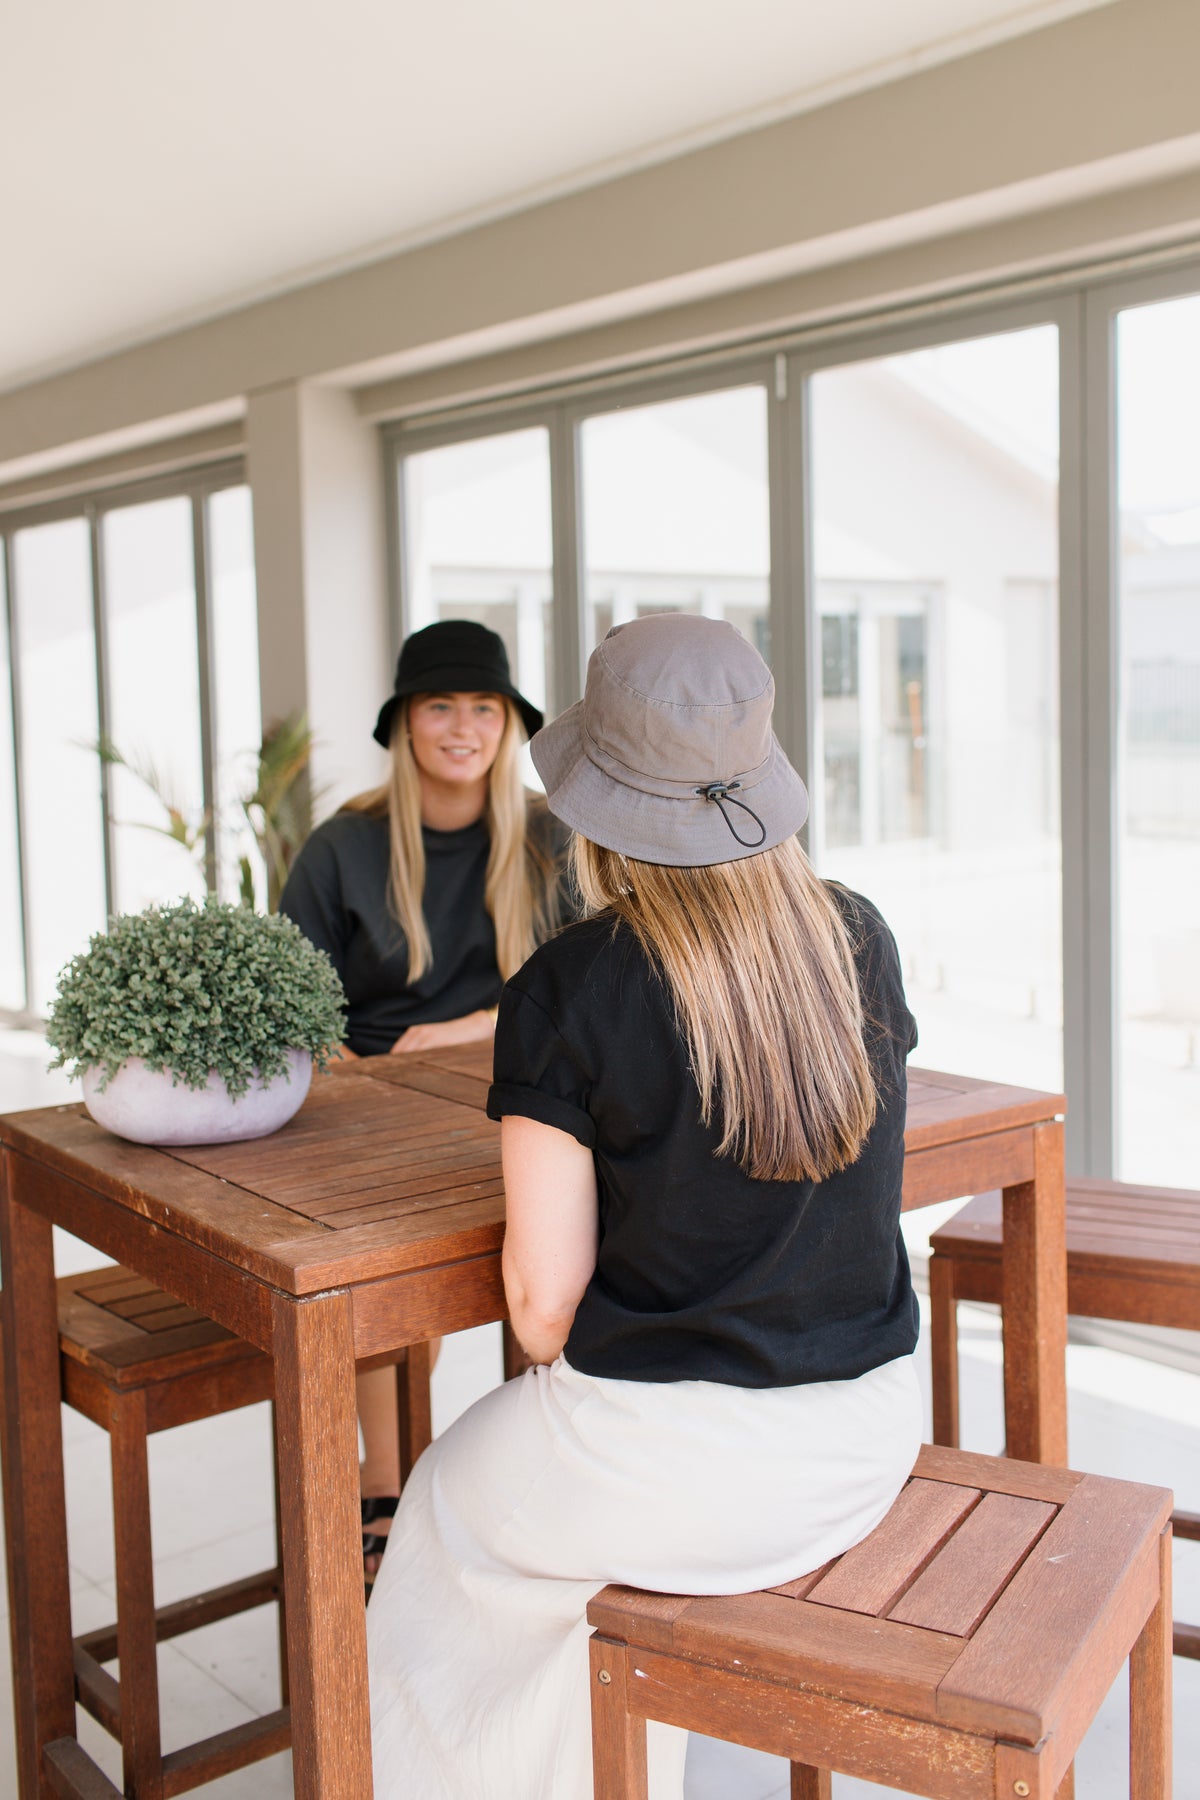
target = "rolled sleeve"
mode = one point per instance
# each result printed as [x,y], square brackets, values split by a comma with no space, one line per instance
[537,1076]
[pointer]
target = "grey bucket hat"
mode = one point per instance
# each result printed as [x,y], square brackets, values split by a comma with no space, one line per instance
[670,757]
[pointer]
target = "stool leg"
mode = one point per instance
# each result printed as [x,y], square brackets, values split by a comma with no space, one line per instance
[137,1636]
[413,1406]
[811,1784]
[943,1349]
[1150,1672]
[618,1738]
[284,1695]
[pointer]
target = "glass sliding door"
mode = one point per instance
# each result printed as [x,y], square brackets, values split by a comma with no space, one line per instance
[60,770]
[675,512]
[1158,688]
[153,696]
[935,565]
[126,564]
[477,545]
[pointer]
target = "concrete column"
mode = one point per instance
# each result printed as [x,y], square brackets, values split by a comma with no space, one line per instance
[315,473]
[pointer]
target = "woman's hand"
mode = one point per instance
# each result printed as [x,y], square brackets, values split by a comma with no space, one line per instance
[472,1028]
[552,1234]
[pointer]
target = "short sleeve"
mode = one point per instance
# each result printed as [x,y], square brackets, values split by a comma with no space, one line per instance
[536,1074]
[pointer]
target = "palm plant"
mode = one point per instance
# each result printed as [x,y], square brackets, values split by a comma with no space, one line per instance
[190,831]
[279,809]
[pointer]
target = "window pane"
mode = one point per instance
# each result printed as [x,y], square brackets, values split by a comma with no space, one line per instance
[12,968]
[935,558]
[477,546]
[1158,459]
[676,512]
[237,713]
[60,771]
[154,696]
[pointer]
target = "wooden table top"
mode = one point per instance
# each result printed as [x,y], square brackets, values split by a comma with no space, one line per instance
[390,1165]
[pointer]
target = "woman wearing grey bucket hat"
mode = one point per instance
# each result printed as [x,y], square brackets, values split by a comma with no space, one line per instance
[702,1093]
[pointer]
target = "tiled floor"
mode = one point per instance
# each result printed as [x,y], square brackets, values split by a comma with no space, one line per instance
[212,1522]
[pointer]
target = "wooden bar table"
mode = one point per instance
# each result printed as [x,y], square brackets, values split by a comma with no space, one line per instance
[375,1220]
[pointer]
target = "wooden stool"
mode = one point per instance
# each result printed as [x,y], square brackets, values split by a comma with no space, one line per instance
[1133,1254]
[135,1360]
[962,1650]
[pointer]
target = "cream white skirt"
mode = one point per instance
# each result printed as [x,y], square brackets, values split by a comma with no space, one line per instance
[554,1485]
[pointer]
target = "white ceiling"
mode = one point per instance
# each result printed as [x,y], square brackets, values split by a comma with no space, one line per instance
[162,160]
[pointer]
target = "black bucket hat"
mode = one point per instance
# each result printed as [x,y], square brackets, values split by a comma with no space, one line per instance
[455,656]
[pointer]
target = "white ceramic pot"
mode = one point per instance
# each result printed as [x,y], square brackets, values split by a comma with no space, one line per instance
[147,1106]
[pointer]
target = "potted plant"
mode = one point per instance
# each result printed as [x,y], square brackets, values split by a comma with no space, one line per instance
[196,1024]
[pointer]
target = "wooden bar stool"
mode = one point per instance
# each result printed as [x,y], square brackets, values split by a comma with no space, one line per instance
[959,1652]
[1133,1254]
[135,1360]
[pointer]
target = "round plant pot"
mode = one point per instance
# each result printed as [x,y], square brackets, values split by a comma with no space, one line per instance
[148,1106]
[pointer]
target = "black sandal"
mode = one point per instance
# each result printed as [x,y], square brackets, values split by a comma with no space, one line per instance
[374,1543]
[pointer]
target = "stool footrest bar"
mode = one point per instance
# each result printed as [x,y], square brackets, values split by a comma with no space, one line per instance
[98,1692]
[190,1614]
[73,1775]
[215,1756]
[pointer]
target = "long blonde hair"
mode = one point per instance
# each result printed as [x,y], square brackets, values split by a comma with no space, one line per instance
[760,969]
[517,889]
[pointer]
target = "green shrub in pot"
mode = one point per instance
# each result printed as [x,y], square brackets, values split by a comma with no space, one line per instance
[214,1000]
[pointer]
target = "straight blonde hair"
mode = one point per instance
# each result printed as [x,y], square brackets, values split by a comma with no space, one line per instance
[520,878]
[759,967]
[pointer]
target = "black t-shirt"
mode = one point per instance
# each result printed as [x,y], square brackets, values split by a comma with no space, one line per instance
[336,892]
[703,1272]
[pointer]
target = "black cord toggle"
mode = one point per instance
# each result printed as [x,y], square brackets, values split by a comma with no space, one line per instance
[722,792]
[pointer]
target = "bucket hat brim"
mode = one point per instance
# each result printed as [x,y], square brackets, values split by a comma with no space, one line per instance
[664,822]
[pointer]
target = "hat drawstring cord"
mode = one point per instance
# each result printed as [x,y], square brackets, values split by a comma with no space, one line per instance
[722,792]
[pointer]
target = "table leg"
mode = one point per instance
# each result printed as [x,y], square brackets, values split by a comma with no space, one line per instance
[313,1344]
[1035,1306]
[34,1498]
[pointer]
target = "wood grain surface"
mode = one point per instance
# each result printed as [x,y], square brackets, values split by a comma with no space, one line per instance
[964,1647]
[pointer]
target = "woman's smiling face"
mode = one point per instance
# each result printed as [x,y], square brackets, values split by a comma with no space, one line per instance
[455,737]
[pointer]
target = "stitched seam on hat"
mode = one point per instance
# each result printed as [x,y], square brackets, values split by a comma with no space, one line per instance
[684,705]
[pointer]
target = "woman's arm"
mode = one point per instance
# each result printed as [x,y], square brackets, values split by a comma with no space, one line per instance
[552,1234]
[471,1028]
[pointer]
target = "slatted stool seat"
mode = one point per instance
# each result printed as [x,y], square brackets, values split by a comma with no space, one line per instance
[960,1651]
[135,1360]
[1133,1254]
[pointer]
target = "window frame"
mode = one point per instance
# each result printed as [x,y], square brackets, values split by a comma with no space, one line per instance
[93,505]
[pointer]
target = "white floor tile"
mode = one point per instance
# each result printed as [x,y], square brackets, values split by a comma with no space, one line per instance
[209,1482]
[719,1771]
[240,1654]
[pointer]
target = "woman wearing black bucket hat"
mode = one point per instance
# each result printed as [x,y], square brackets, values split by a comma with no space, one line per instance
[427,893]
[702,1089]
